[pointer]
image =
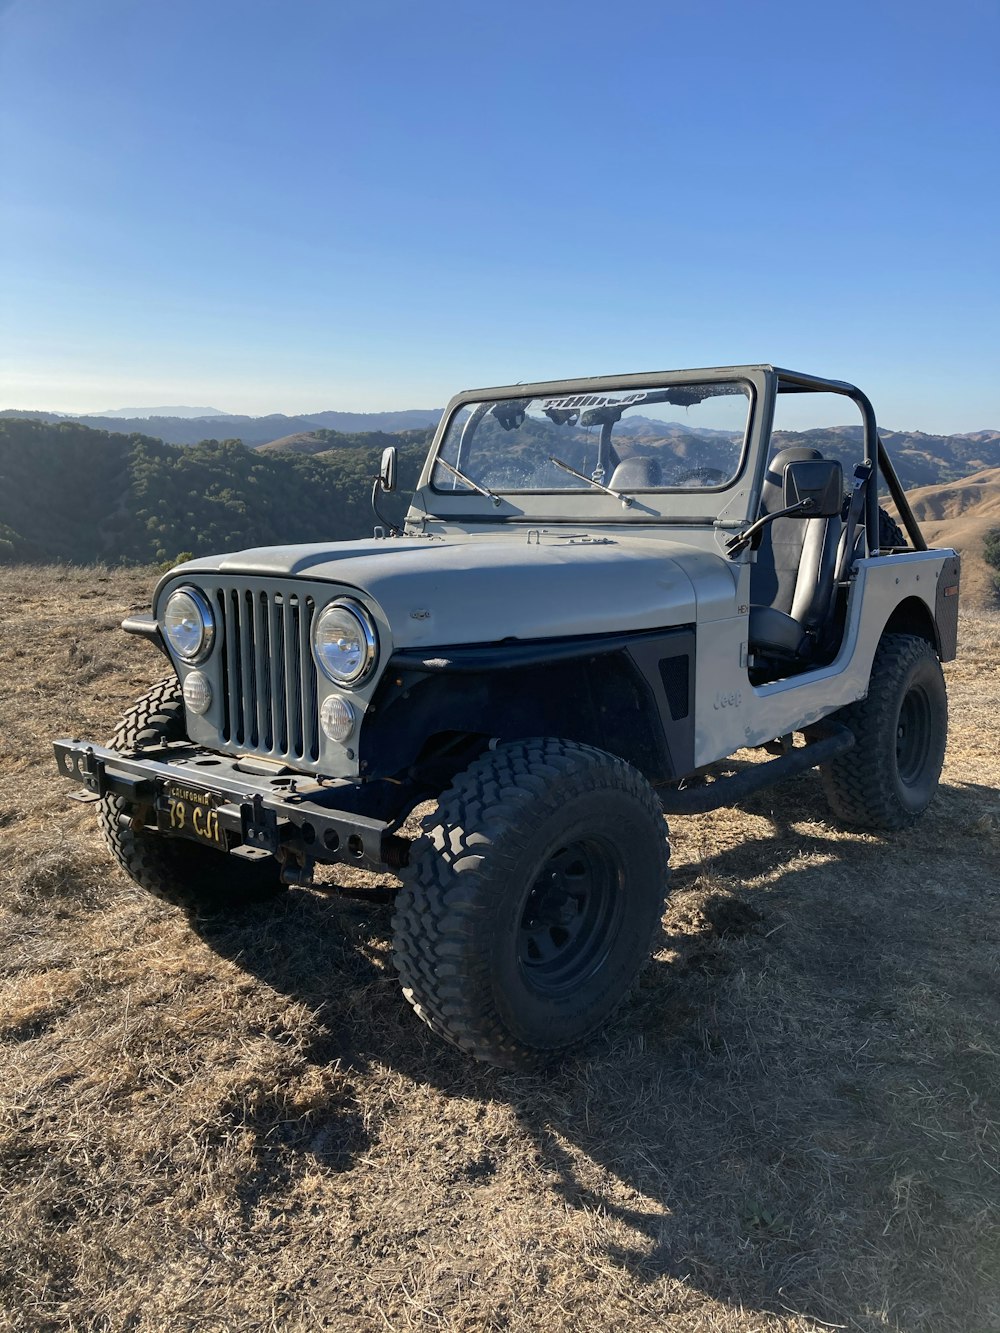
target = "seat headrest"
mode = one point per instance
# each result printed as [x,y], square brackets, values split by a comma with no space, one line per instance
[772,492]
[639,472]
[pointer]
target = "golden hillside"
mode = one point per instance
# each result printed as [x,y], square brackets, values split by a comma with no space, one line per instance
[960,514]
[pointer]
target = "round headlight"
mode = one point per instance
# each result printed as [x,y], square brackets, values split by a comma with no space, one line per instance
[345,642]
[189,624]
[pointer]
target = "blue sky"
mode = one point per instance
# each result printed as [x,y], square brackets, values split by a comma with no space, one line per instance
[370,204]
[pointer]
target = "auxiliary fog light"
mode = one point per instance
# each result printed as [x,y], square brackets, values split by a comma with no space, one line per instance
[336,717]
[197,693]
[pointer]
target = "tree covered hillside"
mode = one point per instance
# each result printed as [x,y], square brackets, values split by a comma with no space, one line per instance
[71,493]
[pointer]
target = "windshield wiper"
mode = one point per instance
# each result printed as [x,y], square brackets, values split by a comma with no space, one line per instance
[483,490]
[598,485]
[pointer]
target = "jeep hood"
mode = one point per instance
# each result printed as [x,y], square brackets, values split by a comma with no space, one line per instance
[461,589]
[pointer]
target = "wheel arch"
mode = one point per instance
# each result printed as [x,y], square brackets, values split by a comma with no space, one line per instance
[636,702]
[913,616]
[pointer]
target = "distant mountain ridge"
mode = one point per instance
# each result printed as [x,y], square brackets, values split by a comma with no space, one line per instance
[144,413]
[253,431]
[920,459]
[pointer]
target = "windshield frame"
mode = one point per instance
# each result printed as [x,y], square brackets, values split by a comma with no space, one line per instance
[576,504]
[736,381]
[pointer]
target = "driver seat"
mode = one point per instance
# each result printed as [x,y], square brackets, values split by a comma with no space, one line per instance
[792,583]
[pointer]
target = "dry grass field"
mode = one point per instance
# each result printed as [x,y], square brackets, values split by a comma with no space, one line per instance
[239,1124]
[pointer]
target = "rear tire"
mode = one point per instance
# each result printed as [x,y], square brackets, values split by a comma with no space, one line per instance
[890,775]
[195,878]
[531,900]
[890,534]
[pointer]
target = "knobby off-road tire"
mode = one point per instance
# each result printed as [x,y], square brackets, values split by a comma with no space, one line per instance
[890,534]
[180,872]
[531,900]
[888,778]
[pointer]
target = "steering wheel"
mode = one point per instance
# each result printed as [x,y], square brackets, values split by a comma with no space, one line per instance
[702,476]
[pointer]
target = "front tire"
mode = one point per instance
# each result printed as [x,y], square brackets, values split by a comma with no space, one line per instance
[890,775]
[195,878]
[531,900]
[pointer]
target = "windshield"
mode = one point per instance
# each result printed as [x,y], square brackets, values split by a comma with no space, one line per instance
[679,437]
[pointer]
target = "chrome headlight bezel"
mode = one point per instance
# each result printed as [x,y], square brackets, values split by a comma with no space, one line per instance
[207,618]
[368,638]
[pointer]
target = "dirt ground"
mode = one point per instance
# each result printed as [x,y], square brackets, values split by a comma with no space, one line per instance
[793,1124]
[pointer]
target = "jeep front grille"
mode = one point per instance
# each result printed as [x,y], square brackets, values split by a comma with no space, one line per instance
[268,673]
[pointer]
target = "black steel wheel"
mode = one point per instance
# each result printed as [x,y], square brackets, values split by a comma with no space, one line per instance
[914,734]
[531,900]
[180,872]
[570,915]
[900,731]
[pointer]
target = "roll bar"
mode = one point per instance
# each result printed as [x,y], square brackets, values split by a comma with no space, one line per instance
[790,381]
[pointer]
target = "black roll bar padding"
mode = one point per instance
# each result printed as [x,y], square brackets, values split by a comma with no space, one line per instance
[899,499]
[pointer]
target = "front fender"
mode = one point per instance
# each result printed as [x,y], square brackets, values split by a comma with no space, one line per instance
[631,695]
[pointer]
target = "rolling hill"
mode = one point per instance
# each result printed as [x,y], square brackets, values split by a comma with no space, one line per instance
[131,497]
[960,514]
[324,441]
[920,459]
[71,493]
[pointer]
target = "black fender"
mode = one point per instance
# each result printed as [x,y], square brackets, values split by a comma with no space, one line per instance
[629,694]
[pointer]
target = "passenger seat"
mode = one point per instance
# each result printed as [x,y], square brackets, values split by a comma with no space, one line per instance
[792,583]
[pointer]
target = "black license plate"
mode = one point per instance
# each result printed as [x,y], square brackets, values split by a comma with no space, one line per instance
[189,812]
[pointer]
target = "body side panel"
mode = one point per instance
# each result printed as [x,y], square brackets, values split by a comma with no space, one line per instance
[730,713]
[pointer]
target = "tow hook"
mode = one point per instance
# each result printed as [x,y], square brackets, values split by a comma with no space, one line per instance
[296,868]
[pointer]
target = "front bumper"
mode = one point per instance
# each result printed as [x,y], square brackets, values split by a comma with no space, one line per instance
[292,816]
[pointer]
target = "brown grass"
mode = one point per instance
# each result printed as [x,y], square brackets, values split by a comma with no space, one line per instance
[792,1126]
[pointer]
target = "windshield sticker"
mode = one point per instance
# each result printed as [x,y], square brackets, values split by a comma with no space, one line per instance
[582,400]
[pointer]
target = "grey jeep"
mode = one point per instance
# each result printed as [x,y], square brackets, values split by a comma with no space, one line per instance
[603,589]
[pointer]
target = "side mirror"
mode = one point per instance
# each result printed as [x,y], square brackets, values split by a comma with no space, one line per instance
[820,480]
[387,469]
